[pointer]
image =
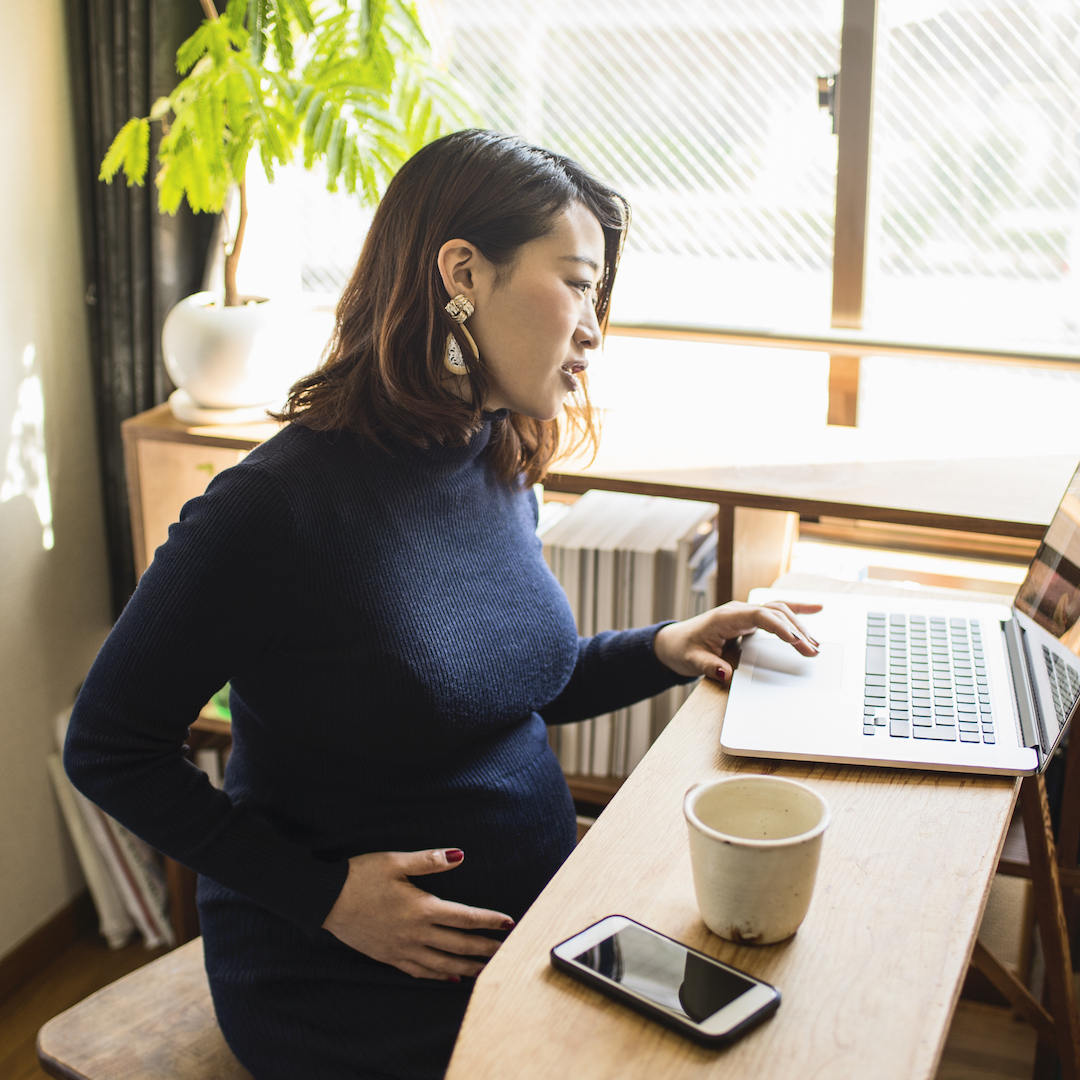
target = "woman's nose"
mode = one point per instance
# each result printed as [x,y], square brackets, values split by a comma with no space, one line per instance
[588,335]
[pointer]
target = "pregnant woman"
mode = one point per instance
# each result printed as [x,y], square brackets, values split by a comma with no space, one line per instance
[370,582]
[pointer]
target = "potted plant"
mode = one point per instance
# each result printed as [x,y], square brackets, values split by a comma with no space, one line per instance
[349,83]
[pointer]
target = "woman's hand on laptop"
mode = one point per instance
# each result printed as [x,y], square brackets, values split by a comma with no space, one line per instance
[693,647]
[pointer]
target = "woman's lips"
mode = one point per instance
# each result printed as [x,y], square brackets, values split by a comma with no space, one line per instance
[571,371]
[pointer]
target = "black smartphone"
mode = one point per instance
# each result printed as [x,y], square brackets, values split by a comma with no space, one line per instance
[697,996]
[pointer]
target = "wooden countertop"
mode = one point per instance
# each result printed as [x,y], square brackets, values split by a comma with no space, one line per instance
[869,982]
[1014,496]
[1008,496]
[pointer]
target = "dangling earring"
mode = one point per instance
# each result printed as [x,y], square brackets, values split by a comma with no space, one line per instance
[459,309]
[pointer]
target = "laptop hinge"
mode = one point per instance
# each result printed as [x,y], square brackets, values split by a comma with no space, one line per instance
[1018,669]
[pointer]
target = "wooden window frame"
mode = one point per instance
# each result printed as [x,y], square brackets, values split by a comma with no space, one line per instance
[846,344]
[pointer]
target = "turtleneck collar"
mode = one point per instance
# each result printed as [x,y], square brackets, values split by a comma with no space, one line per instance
[451,458]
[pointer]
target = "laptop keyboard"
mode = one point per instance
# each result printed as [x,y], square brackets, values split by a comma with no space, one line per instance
[1064,683]
[926,679]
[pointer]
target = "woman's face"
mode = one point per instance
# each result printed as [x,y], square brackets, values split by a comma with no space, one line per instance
[535,328]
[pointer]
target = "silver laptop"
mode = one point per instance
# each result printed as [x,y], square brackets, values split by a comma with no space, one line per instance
[922,684]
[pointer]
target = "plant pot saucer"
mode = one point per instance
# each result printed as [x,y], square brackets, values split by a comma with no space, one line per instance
[187,411]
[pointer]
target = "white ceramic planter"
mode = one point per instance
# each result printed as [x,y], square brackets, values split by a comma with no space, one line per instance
[226,358]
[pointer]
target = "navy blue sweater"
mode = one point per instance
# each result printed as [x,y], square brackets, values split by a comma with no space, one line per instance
[395,644]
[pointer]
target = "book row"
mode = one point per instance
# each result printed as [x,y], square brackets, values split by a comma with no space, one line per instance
[626,561]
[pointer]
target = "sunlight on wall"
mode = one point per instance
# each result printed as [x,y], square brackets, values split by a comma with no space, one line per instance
[26,472]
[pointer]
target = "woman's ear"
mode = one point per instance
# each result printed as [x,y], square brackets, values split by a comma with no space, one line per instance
[457,261]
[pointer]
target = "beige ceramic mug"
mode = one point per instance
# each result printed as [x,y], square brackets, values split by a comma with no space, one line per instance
[754,848]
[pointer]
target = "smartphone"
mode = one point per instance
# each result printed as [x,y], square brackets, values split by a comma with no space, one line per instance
[697,996]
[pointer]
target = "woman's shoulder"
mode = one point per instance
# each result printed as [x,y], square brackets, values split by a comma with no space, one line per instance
[297,443]
[313,468]
[306,474]
[300,459]
[262,490]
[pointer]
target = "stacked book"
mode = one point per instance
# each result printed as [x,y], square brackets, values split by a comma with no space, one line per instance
[124,874]
[626,561]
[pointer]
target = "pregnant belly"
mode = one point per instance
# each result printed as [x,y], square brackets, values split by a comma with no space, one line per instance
[508,809]
[516,830]
[514,837]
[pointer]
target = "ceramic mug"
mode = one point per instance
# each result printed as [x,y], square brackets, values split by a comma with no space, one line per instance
[754,848]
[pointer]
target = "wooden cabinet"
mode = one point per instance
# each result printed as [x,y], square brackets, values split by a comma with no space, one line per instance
[168,462]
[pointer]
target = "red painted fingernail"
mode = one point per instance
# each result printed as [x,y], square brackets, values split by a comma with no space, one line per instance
[508,925]
[455,855]
[721,674]
[453,978]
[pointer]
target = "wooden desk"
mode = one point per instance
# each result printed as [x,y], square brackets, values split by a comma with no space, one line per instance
[1013,497]
[869,981]
[169,462]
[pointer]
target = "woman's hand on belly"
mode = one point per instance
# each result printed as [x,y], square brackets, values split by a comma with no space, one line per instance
[380,913]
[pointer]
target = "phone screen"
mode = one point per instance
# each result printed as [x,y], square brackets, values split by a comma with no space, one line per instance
[688,986]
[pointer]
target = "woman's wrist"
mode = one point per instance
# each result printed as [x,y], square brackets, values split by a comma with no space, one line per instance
[669,647]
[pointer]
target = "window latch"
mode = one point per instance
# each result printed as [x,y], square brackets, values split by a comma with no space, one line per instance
[826,95]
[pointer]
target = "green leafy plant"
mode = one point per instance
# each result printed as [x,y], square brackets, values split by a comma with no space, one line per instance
[349,83]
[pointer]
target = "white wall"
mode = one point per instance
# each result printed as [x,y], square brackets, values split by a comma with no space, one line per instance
[54,609]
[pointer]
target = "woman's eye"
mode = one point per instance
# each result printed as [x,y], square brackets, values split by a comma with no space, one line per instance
[585,287]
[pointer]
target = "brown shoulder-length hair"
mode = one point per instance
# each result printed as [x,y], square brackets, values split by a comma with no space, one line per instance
[383,374]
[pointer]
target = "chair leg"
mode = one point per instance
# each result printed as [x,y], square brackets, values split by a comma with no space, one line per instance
[1027,940]
[1050,915]
[1045,1061]
[1069,826]
[183,914]
[1016,992]
[1068,848]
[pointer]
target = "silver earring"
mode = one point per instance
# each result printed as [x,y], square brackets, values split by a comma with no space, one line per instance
[459,309]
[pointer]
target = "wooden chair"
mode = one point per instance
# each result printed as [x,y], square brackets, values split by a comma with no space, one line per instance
[1052,869]
[155,1024]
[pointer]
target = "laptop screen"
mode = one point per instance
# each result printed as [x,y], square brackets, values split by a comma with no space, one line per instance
[1050,594]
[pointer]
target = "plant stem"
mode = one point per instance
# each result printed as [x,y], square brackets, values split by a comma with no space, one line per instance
[232,297]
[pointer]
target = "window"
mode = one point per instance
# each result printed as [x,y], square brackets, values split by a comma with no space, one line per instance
[704,116]
[959,120]
[975,227]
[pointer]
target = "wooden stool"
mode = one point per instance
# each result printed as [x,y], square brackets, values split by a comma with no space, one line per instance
[155,1024]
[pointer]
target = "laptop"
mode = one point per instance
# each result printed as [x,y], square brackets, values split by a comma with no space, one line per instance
[922,684]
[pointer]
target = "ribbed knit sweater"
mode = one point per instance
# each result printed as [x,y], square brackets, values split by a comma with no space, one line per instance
[395,645]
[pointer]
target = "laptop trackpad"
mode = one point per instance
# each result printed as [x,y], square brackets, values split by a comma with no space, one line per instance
[776,663]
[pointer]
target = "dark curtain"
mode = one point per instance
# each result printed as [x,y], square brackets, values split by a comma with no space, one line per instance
[139,263]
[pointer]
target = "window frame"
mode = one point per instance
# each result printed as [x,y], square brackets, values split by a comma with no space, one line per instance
[847,344]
